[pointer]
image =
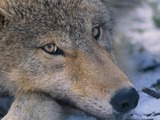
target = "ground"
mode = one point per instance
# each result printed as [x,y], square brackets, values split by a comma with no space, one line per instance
[137,43]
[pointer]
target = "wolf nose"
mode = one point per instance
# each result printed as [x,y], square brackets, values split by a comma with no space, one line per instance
[125,100]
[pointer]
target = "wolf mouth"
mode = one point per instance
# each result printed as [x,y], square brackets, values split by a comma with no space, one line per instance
[77,112]
[72,110]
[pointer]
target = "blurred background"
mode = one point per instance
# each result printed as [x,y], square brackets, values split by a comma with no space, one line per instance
[137,52]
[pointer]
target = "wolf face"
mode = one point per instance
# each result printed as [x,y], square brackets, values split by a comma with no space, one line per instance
[63,48]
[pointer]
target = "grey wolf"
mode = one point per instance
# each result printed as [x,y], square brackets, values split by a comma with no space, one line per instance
[60,51]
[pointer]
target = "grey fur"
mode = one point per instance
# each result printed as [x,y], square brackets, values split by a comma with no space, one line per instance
[25,69]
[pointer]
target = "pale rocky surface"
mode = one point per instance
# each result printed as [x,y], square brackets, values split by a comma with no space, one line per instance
[138,54]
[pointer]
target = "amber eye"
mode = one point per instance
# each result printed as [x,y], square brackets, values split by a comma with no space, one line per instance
[52,49]
[96,32]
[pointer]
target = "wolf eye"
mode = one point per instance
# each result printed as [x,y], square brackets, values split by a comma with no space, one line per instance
[52,49]
[96,32]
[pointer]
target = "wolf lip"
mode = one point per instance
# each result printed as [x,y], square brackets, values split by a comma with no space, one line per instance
[75,110]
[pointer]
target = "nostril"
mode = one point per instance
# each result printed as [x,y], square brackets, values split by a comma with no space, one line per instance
[124,100]
[124,105]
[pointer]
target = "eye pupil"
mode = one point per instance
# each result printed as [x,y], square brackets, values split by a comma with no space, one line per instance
[96,32]
[49,48]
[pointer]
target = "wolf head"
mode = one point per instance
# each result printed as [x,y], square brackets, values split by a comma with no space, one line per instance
[63,48]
